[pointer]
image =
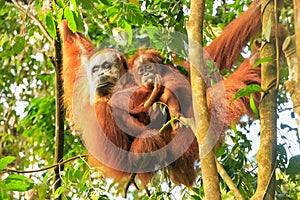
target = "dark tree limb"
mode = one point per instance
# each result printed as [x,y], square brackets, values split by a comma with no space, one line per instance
[45,168]
[60,113]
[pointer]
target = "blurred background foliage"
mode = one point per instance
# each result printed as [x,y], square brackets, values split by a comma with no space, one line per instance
[27,131]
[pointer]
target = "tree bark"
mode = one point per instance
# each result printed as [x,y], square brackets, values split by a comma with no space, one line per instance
[293,84]
[266,156]
[291,48]
[297,31]
[204,136]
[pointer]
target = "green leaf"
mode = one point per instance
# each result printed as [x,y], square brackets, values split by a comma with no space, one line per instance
[87,5]
[262,60]
[183,70]
[293,167]
[253,106]
[71,19]
[113,13]
[38,4]
[42,190]
[60,14]
[246,91]
[58,191]
[4,162]
[221,151]
[19,44]
[195,197]
[16,182]
[211,64]
[60,3]
[2,3]
[79,21]
[50,25]
[74,4]
[105,2]
[133,14]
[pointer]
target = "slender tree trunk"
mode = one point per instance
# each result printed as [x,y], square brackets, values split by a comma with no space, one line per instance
[266,155]
[297,31]
[293,84]
[296,95]
[60,114]
[291,48]
[204,136]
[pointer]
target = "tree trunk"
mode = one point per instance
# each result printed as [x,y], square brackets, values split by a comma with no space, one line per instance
[60,115]
[204,136]
[266,156]
[291,48]
[293,84]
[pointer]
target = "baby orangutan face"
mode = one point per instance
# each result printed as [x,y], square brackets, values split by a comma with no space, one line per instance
[147,74]
[147,68]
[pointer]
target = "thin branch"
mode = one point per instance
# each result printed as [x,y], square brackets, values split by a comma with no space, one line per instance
[291,108]
[210,28]
[43,169]
[36,20]
[222,172]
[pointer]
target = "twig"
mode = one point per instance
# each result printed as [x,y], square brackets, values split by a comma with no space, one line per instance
[131,180]
[36,20]
[286,109]
[43,169]
[210,28]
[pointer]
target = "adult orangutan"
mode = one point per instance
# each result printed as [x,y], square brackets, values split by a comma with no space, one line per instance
[90,77]
[88,90]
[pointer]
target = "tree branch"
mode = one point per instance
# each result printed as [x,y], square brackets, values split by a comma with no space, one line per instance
[229,181]
[36,20]
[44,169]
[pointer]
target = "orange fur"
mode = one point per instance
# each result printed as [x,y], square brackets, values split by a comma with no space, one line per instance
[177,95]
[226,48]
[77,98]
[223,113]
[97,118]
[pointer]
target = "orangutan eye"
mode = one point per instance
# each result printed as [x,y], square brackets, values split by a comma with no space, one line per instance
[95,69]
[106,65]
[149,68]
[141,70]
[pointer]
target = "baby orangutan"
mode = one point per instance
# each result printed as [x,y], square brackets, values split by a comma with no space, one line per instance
[163,83]
[149,78]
